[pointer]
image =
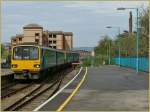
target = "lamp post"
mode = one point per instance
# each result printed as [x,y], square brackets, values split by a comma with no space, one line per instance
[109,52]
[137,35]
[118,36]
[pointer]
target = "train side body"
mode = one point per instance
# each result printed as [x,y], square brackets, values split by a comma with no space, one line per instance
[28,61]
[47,58]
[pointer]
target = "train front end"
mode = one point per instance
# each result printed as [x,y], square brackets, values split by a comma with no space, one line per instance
[25,61]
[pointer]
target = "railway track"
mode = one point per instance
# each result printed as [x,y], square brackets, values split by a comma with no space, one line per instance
[18,99]
[29,96]
[30,106]
[7,92]
[7,102]
[8,85]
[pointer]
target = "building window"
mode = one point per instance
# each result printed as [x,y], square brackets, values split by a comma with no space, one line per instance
[50,36]
[14,40]
[54,36]
[20,39]
[37,34]
[50,46]
[54,47]
[37,40]
[50,42]
[54,42]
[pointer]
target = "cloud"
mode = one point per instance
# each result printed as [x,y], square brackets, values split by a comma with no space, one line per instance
[86,19]
[91,4]
[105,6]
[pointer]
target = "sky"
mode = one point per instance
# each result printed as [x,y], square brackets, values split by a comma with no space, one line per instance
[86,19]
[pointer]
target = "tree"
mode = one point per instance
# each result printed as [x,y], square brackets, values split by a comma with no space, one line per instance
[126,41]
[144,23]
[2,50]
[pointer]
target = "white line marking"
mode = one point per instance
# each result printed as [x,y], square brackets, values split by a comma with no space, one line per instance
[39,107]
[65,103]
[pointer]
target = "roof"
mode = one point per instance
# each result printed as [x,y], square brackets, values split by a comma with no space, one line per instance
[19,36]
[55,32]
[13,37]
[68,33]
[33,25]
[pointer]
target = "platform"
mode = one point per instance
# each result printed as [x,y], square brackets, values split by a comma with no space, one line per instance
[5,72]
[106,88]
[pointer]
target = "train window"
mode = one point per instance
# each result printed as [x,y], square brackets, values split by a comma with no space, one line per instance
[26,53]
[18,53]
[33,53]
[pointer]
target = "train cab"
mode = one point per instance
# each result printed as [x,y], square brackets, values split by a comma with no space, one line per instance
[25,61]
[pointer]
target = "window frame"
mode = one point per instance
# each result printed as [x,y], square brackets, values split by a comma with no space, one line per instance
[37,34]
[22,53]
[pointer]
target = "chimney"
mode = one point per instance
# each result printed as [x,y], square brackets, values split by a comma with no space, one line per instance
[130,22]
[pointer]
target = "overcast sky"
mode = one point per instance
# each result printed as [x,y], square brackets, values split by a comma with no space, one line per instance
[87,20]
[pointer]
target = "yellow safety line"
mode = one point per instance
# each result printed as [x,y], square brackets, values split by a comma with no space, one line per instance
[72,94]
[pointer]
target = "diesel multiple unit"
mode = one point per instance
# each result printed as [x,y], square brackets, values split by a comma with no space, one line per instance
[30,61]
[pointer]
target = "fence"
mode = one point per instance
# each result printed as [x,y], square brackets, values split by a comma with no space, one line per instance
[131,62]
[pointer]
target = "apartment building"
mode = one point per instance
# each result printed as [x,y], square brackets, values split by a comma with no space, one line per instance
[56,39]
[60,40]
[34,33]
[16,39]
[68,36]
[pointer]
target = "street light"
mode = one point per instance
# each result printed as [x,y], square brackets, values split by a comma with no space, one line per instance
[108,27]
[118,36]
[108,48]
[137,35]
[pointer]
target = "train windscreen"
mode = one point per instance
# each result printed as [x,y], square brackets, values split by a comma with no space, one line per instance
[25,53]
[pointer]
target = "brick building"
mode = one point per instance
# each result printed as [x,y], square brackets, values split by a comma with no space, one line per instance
[33,33]
[56,39]
[68,38]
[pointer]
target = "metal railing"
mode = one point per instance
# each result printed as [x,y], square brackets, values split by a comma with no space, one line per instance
[130,62]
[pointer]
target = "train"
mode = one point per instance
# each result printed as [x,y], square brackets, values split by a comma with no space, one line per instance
[31,61]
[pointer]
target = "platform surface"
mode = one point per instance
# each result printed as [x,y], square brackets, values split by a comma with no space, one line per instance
[106,88]
[5,72]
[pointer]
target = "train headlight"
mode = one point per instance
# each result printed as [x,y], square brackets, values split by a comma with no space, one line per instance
[37,66]
[14,65]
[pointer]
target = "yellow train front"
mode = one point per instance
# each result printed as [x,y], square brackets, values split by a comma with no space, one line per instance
[31,61]
[25,62]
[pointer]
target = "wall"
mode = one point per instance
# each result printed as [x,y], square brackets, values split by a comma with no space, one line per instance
[131,62]
[29,35]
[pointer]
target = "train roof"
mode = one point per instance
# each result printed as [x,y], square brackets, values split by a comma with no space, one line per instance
[46,48]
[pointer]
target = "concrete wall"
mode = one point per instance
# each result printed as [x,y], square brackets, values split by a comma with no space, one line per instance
[29,35]
[60,42]
[68,42]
